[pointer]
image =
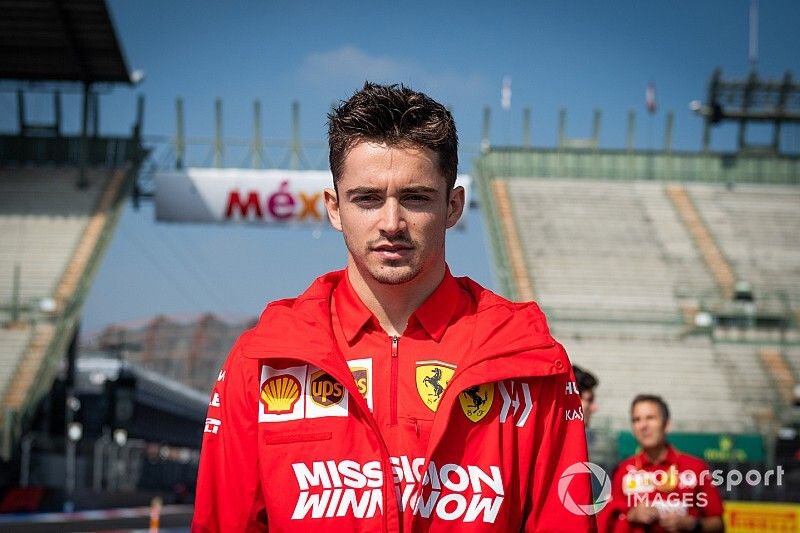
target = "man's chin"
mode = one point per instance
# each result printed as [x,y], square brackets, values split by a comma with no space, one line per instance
[393,275]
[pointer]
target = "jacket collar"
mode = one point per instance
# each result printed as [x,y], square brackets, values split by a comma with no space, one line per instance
[509,339]
[434,315]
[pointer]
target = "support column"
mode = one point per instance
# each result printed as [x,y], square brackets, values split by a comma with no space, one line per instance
[526,127]
[295,148]
[83,182]
[218,142]
[596,129]
[485,132]
[180,139]
[668,131]
[631,129]
[257,150]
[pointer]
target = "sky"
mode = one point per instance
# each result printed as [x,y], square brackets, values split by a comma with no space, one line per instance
[582,55]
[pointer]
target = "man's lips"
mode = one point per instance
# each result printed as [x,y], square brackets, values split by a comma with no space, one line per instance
[392,251]
[391,247]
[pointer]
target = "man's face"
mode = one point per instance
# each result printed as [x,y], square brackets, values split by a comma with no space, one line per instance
[589,406]
[393,209]
[648,425]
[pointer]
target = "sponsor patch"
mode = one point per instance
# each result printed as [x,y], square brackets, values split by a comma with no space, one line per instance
[309,392]
[324,396]
[573,414]
[476,401]
[212,425]
[324,390]
[444,492]
[432,378]
[282,393]
[362,374]
[214,400]
[517,403]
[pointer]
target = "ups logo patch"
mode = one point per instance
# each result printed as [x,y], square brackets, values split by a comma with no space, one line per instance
[325,391]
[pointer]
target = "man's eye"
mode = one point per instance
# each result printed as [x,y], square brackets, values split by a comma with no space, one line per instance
[416,198]
[366,200]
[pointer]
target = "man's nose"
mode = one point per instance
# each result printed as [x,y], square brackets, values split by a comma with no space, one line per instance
[392,220]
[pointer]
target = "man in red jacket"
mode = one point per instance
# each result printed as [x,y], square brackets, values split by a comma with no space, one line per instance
[392,396]
[660,489]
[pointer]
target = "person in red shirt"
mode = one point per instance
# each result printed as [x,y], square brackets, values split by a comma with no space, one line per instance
[391,395]
[660,488]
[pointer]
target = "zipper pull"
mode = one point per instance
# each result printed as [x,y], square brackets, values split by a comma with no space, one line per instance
[416,426]
[394,345]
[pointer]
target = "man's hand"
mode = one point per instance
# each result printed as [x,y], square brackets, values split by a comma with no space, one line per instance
[643,514]
[674,522]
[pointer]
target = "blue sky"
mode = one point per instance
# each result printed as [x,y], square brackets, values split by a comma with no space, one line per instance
[578,54]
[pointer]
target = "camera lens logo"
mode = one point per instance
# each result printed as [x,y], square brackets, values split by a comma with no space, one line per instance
[598,477]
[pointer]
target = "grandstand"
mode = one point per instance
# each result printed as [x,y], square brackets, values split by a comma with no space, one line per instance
[51,237]
[61,194]
[675,273]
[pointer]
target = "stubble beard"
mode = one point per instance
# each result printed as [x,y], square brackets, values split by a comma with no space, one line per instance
[392,272]
[389,274]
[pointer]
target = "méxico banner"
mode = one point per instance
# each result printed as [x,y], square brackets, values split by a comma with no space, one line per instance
[237,195]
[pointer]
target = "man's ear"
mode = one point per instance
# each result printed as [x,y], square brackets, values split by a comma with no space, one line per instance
[455,206]
[332,207]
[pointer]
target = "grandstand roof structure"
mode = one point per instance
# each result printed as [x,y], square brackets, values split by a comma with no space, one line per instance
[52,40]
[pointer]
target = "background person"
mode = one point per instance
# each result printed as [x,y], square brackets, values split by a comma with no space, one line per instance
[660,488]
[586,382]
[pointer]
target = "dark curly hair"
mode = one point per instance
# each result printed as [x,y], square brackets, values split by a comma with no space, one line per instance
[397,116]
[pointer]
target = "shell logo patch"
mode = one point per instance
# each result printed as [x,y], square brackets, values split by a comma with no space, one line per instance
[476,401]
[325,391]
[432,378]
[280,393]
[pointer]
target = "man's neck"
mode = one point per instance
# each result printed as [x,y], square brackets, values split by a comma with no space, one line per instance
[393,305]
[656,454]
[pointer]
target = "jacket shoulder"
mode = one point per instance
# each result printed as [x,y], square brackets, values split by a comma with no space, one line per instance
[320,289]
[496,308]
[693,462]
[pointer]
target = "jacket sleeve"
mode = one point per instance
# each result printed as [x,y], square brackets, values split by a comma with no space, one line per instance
[559,444]
[229,496]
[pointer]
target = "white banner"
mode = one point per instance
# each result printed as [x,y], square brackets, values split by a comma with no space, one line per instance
[236,195]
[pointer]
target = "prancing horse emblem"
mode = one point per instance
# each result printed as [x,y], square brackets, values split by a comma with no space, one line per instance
[477,400]
[432,378]
[433,381]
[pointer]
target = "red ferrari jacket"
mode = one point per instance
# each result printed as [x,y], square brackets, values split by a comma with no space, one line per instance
[290,443]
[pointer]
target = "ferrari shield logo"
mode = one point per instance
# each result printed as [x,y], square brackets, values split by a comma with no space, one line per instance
[432,379]
[476,401]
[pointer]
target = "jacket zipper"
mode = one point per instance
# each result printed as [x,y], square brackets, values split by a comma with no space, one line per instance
[393,386]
